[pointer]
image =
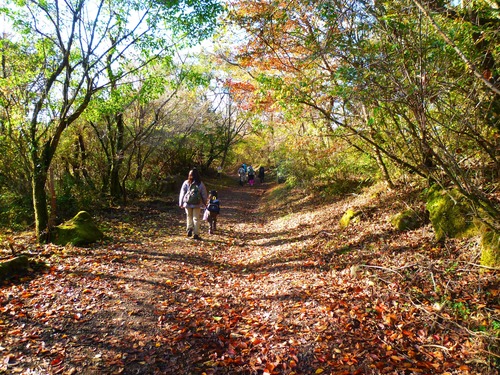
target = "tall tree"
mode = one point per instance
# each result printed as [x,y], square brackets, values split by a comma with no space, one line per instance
[232,121]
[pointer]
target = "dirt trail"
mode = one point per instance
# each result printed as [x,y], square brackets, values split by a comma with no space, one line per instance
[148,301]
[258,297]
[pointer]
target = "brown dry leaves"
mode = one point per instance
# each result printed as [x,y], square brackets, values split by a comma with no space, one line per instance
[278,290]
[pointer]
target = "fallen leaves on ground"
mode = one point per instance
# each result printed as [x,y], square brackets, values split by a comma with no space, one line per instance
[280,289]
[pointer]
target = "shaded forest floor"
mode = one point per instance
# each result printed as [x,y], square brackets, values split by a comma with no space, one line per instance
[279,289]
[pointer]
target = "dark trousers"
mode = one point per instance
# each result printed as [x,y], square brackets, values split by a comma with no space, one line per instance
[212,221]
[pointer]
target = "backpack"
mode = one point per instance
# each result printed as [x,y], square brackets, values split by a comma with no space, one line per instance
[193,195]
[214,206]
[251,171]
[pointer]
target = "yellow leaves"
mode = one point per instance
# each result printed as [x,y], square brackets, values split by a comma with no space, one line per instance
[390,319]
[396,358]
[27,294]
[210,363]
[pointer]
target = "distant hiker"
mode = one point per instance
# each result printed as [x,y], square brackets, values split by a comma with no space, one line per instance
[242,174]
[219,171]
[251,175]
[212,211]
[192,197]
[261,174]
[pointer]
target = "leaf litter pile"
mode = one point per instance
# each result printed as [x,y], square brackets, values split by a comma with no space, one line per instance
[279,289]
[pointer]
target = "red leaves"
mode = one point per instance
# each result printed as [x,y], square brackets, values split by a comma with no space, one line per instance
[57,361]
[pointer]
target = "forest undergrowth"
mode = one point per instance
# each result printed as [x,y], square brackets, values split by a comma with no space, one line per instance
[279,289]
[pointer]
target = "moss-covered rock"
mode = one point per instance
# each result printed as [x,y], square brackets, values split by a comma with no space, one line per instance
[406,220]
[80,230]
[348,216]
[490,248]
[13,267]
[450,214]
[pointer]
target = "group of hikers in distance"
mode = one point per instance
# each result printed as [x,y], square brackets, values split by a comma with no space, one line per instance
[247,173]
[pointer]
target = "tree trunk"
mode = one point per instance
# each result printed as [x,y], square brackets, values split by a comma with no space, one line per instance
[115,185]
[383,168]
[39,180]
[114,182]
[83,162]
[53,202]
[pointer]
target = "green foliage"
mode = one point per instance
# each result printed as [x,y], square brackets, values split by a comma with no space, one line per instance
[338,188]
[460,309]
[325,164]
[280,193]
[49,81]
[326,116]
[190,20]
[496,325]
[254,149]
[349,171]
[72,195]
[391,80]
[16,212]
[287,172]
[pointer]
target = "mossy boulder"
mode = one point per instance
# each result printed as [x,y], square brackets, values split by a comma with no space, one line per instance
[406,220]
[80,230]
[490,248]
[13,267]
[348,216]
[450,214]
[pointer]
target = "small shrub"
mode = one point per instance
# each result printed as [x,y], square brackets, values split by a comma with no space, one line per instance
[72,196]
[341,187]
[460,310]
